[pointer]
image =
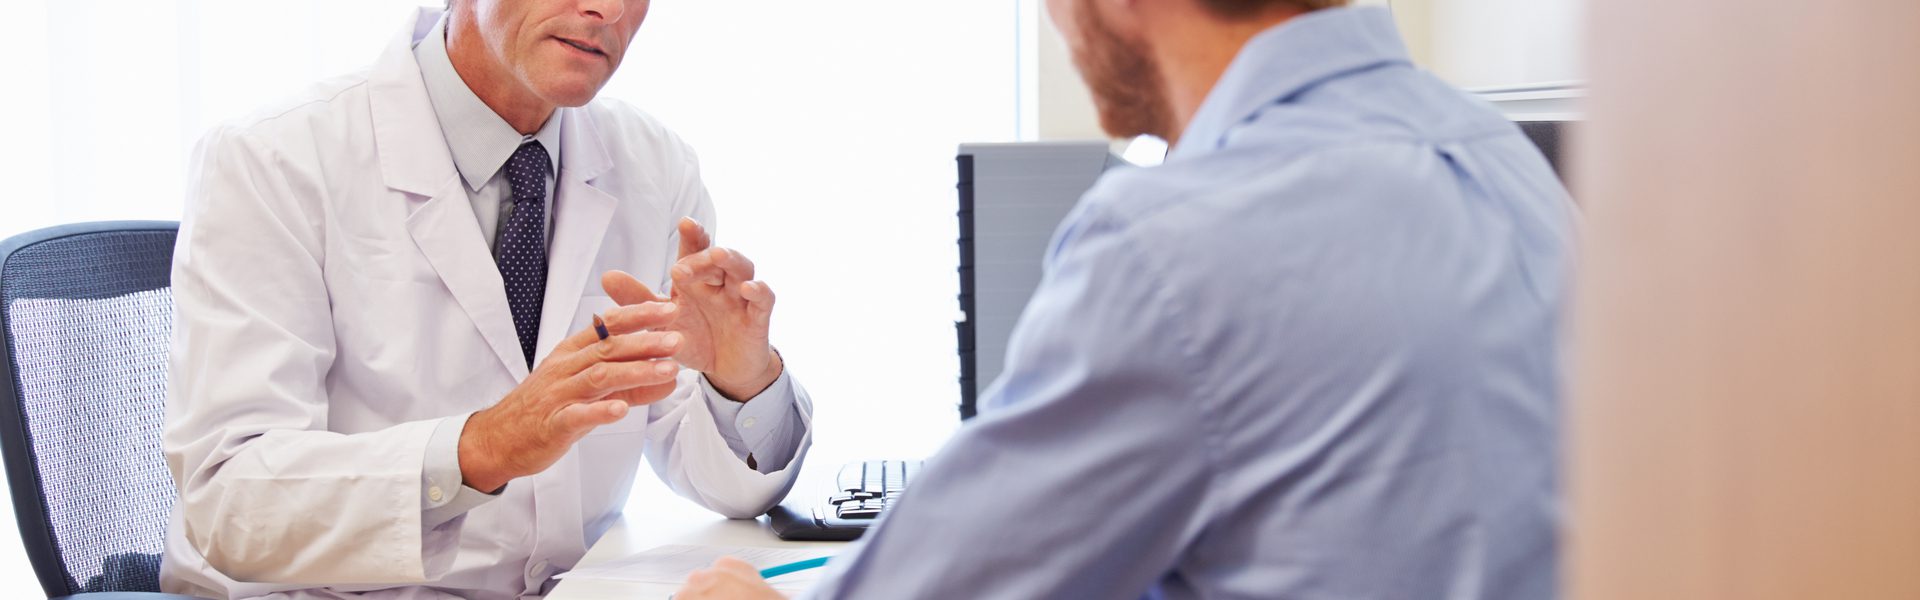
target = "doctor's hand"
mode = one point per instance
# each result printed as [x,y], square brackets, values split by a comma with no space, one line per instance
[728,579]
[723,314]
[584,383]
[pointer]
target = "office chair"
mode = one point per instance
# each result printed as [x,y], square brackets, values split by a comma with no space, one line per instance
[86,316]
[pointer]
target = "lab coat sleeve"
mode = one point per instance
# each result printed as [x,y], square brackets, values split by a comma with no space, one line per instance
[1087,470]
[685,444]
[267,493]
[687,451]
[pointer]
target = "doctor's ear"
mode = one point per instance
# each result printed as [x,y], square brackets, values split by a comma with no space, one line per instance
[625,289]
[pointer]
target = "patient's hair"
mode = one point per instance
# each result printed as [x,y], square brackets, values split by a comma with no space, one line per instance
[1234,9]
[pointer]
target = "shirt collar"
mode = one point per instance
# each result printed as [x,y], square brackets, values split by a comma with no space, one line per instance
[480,140]
[1287,59]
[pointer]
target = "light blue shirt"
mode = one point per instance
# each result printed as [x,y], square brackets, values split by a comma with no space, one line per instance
[767,427]
[1313,355]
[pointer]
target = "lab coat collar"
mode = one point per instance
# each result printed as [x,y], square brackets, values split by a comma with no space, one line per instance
[413,153]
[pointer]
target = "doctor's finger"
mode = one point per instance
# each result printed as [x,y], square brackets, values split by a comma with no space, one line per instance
[646,394]
[622,320]
[606,378]
[644,345]
[759,299]
[716,263]
[691,275]
[693,237]
[626,289]
[737,265]
[580,418]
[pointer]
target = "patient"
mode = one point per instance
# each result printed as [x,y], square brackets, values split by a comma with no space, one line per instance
[1313,355]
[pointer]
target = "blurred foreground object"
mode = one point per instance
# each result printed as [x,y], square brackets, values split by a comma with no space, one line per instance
[1746,382]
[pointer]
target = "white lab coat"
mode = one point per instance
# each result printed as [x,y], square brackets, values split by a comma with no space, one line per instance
[336,300]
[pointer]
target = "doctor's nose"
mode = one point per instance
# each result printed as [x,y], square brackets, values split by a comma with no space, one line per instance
[607,11]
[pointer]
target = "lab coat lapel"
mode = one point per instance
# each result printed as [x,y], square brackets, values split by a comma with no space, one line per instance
[581,213]
[446,231]
[414,159]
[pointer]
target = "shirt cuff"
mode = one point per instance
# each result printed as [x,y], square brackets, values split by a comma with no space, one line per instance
[443,496]
[763,426]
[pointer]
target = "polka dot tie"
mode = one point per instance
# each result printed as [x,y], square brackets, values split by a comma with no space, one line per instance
[523,243]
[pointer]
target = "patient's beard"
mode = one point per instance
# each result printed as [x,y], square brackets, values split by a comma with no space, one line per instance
[1127,86]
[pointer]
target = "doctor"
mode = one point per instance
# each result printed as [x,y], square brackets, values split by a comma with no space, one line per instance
[386,377]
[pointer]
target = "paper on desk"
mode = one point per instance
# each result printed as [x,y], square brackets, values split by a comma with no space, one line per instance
[672,564]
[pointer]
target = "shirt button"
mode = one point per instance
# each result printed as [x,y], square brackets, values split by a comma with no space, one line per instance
[434,494]
[749,422]
[540,568]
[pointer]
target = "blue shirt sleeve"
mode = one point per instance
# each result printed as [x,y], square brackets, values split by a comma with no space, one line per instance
[1093,417]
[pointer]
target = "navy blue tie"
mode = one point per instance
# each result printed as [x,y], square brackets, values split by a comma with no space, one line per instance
[523,243]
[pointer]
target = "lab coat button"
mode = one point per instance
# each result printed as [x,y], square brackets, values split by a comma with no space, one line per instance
[434,494]
[749,422]
[540,568]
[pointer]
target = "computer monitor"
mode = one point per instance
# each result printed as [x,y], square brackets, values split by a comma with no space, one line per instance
[1012,197]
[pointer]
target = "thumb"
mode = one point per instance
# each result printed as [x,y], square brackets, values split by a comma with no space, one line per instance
[625,289]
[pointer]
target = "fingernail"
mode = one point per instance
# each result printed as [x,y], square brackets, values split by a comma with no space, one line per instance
[672,338]
[664,368]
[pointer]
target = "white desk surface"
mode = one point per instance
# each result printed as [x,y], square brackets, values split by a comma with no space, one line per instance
[656,517]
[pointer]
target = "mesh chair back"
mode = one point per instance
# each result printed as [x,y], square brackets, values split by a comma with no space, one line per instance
[87,317]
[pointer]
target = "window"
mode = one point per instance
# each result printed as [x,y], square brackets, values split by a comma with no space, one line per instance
[827,134]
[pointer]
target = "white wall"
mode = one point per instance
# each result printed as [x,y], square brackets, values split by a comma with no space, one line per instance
[1471,43]
[1055,104]
[1499,43]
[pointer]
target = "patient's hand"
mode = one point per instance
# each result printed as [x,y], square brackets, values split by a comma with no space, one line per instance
[728,579]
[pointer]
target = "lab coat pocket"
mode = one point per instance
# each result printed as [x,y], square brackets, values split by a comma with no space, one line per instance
[609,458]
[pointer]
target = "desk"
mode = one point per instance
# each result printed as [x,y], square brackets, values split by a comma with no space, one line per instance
[656,517]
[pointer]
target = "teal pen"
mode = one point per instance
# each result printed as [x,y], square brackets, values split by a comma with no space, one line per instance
[802,565]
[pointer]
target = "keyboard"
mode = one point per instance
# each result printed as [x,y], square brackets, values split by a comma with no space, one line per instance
[865,490]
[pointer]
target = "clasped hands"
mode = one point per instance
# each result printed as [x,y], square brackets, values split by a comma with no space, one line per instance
[714,322]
